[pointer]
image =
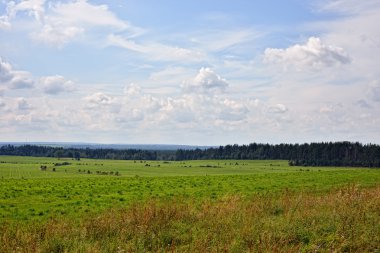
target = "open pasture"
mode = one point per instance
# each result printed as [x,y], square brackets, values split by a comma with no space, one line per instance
[189,206]
[29,167]
[73,188]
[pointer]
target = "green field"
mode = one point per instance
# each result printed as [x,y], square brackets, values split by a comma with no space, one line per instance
[188,206]
[89,186]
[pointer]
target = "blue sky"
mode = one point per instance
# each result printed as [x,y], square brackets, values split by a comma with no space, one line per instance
[189,72]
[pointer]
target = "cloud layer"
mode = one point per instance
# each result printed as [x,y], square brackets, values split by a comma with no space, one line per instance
[79,70]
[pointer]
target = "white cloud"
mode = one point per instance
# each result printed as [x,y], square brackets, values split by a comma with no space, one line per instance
[206,81]
[5,71]
[178,109]
[64,22]
[263,104]
[151,104]
[56,84]
[98,99]
[21,80]
[119,41]
[132,89]
[347,6]
[278,108]
[162,52]
[313,54]
[199,111]
[334,114]
[14,79]
[232,110]
[156,51]
[59,23]
[57,36]
[33,8]
[4,23]
[356,30]
[81,12]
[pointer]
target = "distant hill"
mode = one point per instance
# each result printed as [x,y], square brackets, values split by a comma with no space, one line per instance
[168,147]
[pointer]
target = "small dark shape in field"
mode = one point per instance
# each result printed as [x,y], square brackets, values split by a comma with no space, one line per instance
[209,166]
[62,164]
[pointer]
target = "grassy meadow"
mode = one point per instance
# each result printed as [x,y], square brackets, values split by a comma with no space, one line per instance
[188,206]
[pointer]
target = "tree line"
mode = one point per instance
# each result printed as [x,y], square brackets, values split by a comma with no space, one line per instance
[77,153]
[313,154]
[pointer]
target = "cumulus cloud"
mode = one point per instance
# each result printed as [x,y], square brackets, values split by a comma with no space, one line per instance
[55,85]
[313,54]
[178,109]
[21,80]
[14,79]
[132,89]
[150,103]
[198,109]
[278,108]
[98,99]
[206,81]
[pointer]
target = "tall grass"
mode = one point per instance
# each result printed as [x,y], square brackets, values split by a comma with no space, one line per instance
[342,220]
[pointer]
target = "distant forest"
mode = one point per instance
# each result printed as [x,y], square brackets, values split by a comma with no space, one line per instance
[313,154]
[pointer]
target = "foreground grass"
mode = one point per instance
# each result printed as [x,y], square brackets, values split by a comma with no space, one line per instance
[189,206]
[341,220]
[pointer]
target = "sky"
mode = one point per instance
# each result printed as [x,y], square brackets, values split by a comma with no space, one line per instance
[189,72]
